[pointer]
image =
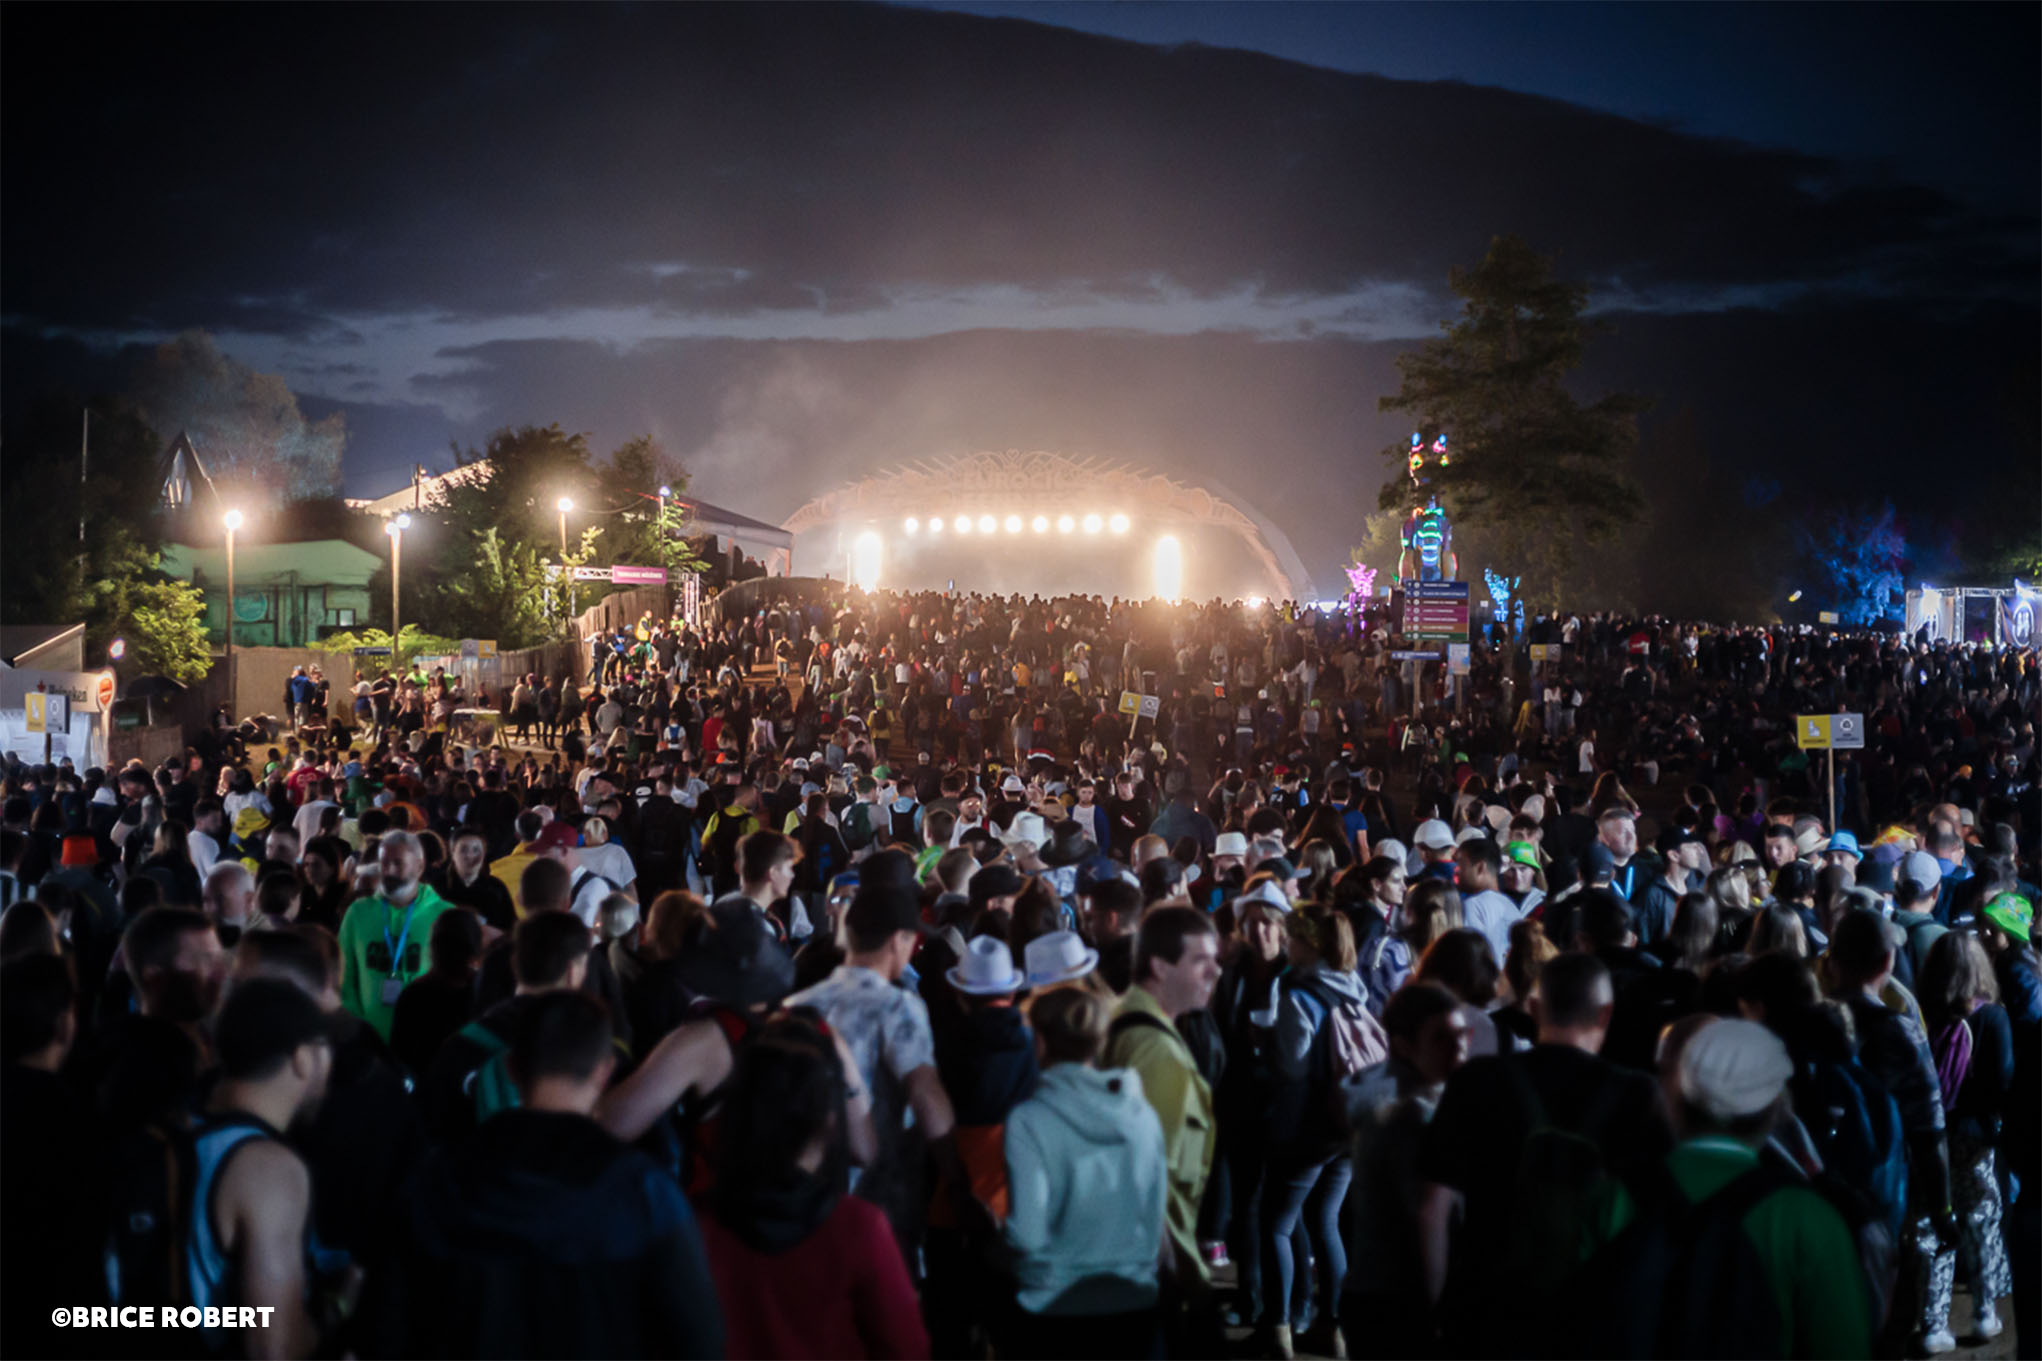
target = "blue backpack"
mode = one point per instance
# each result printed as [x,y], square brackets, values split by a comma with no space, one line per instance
[1855,1125]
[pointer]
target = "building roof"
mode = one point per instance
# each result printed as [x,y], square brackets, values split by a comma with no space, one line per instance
[703,518]
[19,643]
[430,490]
[316,562]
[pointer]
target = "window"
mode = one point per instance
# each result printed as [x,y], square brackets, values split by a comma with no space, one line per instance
[340,619]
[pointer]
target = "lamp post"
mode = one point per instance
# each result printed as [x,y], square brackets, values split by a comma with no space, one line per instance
[563,505]
[232,519]
[395,529]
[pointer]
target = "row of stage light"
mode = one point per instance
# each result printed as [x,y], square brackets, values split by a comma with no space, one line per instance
[1013,524]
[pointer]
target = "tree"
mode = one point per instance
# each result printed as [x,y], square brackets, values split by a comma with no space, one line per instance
[500,594]
[1529,463]
[636,471]
[1859,559]
[161,619]
[247,427]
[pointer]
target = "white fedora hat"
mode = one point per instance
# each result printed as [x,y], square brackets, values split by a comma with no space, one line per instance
[1059,957]
[986,970]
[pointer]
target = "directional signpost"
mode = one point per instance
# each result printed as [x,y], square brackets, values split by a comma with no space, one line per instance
[1831,733]
[1436,611]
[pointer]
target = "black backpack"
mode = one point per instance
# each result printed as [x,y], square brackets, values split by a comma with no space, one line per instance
[1682,1280]
[1560,1187]
[149,1195]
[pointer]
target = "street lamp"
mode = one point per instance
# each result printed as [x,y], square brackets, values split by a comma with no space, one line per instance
[232,519]
[395,529]
[563,505]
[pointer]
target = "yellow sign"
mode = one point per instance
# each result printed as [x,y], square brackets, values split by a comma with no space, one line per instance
[1812,732]
[1130,703]
[39,722]
[485,647]
[1541,652]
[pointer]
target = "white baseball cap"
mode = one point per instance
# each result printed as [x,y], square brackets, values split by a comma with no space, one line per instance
[1433,835]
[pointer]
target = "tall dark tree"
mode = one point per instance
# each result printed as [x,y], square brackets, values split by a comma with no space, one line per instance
[246,425]
[1536,469]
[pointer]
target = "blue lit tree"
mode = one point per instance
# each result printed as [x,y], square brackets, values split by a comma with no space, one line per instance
[1859,559]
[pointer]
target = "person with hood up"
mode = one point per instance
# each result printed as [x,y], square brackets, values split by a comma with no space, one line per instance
[1086,1281]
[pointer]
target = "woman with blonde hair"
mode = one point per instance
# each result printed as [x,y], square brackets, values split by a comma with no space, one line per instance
[1320,860]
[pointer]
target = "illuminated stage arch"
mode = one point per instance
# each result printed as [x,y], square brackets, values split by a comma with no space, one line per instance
[1053,484]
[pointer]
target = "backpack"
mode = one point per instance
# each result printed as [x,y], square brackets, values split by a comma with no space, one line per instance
[858,826]
[1952,1048]
[489,1084]
[1560,1186]
[1346,1042]
[149,1195]
[1681,1280]
[1854,1124]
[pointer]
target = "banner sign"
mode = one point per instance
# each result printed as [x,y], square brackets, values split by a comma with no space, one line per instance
[1436,610]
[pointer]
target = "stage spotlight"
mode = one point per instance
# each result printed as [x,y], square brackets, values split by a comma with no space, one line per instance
[1256,602]
[1065,524]
[986,524]
[1092,524]
[935,524]
[1040,524]
[1169,567]
[1118,524]
[912,525]
[964,524]
[1013,524]
[865,557]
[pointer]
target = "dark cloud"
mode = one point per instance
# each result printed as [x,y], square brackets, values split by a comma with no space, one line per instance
[472,161]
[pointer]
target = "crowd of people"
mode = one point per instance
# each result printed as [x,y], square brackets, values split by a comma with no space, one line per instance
[859,978]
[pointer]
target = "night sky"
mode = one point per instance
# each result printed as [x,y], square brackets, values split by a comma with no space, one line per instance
[798,245]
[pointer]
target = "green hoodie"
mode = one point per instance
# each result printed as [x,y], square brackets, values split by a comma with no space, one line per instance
[372,928]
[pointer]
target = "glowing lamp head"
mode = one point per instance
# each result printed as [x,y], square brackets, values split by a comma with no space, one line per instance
[935,524]
[986,524]
[1118,524]
[1040,524]
[232,519]
[1012,524]
[401,522]
[1065,524]
[665,491]
[1093,524]
[962,524]
[912,525]
[117,649]
[564,504]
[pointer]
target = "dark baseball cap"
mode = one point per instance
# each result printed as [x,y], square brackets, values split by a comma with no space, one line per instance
[1673,838]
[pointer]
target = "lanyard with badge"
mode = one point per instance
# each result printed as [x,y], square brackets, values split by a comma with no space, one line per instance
[393,985]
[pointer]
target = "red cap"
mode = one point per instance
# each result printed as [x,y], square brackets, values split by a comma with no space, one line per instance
[80,849]
[557,836]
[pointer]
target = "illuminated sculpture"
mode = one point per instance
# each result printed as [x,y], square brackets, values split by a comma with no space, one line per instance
[1428,538]
[1361,581]
[1427,534]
